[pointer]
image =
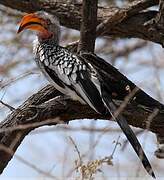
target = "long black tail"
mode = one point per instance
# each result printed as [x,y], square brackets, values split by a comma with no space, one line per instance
[129,134]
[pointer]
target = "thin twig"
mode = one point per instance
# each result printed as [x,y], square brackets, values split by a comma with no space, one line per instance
[148,123]
[74,129]
[32,125]
[126,101]
[29,164]
[76,148]
[7,105]
[14,79]
[116,144]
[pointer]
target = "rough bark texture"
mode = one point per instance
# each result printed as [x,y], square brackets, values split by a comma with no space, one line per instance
[130,21]
[48,104]
[38,108]
[88,26]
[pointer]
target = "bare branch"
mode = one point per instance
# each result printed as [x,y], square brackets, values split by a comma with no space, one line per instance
[9,151]
[130,21]
[65,110]
[7,105]
[77,150]
[88,26]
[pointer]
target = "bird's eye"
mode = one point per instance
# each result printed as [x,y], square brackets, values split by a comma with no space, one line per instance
[48,21]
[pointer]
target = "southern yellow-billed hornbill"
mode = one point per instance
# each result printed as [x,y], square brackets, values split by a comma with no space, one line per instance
[72,75]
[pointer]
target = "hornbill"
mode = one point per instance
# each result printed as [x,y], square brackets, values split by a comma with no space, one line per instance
[74,75]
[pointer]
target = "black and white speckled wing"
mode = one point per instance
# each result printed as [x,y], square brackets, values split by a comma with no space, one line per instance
[71,75]
[80,81]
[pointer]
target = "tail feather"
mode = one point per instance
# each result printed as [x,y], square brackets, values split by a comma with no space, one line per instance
[129,134]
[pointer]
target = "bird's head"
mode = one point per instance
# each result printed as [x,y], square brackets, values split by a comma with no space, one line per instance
[46,25]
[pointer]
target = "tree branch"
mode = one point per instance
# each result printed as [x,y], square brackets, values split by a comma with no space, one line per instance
[41,109]
[49,107]
[88,26]
[121,14]
[123,22]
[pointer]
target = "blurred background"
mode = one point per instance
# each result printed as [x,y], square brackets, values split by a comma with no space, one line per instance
[64,151]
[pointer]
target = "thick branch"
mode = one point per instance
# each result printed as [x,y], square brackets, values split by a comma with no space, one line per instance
[123,22]
[39,108]
[88,26]
[42,107]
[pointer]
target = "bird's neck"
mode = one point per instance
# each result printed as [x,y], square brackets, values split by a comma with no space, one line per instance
[46,42]
[51,40]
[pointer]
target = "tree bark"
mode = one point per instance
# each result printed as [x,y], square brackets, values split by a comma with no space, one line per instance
[130,21]
[49,107]
[88,26]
